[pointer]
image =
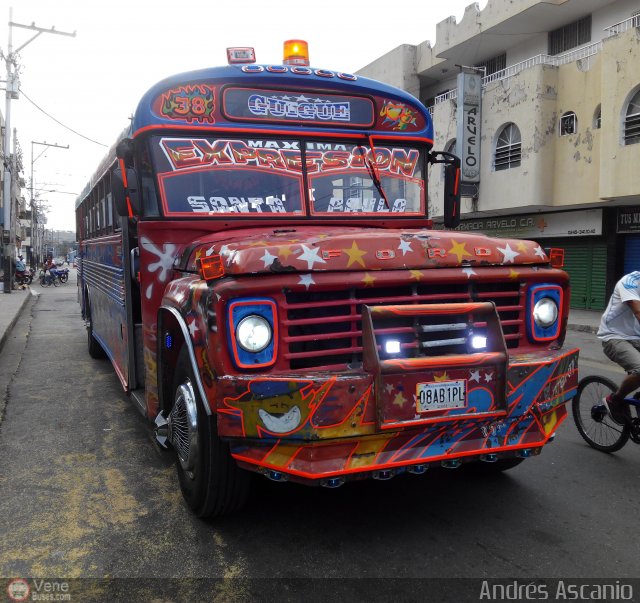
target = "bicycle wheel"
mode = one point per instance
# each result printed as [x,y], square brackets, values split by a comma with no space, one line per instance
[595,425]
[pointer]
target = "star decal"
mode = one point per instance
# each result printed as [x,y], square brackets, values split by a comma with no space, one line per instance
[388,388]
[224,250]
[417,274]
[368,280]
[198,254]
[443,377]
[268,259]
[258,244]
[488,377]
[475,376]
[310,256]
[508,253]
[284,251]
[522,247]
[193,328]
[540,253]
[399,400]
[513,274]
[458,249]
[469,272]
[306,280]
[355,255]
[405,247]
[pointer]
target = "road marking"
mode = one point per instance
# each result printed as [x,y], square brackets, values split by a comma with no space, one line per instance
[614,368]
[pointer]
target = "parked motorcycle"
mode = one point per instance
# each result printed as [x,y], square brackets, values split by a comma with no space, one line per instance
[24,277]
[62,274]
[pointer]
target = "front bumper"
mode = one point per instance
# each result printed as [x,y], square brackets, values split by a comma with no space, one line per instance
[324,426]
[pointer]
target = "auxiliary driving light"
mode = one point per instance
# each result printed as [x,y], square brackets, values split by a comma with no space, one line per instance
[392,346]
[478,342]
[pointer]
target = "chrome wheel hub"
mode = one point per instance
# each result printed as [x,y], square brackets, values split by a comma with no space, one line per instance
[183,426]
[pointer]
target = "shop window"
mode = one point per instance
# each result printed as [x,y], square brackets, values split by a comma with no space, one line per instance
[597,118]
[508,153]
[570,36]
[568,124]
[632,120]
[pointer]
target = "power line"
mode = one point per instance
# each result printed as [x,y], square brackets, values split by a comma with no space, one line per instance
[59,122]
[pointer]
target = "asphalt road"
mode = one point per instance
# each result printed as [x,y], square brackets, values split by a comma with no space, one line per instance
[86,493]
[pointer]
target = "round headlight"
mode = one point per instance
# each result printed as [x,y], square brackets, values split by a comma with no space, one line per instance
[253,333]
[545,312]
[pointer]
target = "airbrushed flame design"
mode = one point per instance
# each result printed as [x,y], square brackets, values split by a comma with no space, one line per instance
[189,103]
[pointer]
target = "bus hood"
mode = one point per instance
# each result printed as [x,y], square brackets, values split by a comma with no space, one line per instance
[314,248]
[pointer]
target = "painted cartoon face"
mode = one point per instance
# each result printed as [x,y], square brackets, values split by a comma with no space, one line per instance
[277,407]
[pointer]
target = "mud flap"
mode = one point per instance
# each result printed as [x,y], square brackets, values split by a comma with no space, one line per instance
[435,363]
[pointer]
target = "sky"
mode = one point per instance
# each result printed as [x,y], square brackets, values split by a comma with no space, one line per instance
[90,84]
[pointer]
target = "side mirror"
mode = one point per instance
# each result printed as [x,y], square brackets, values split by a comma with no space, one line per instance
[125,193]
[451,186]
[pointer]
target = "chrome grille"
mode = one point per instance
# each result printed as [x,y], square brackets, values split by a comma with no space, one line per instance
[322,329]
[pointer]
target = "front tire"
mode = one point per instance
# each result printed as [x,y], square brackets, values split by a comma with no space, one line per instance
[211,482]
[595,425]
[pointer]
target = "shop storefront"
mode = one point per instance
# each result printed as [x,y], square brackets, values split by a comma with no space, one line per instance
[628,230]
[579,233]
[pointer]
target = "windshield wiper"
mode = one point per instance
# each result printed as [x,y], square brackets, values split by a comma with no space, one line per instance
[373,173]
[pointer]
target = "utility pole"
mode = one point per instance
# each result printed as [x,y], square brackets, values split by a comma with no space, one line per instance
[35,261]
[12,89]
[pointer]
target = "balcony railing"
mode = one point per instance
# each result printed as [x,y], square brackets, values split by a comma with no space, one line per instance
[578,54]
[623,26]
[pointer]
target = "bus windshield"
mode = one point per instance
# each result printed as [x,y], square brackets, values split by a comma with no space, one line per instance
[203,175]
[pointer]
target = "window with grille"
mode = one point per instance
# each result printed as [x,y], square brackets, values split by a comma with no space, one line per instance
[495,64]
[632,120]
[508,151]
[569,36]
[568,124]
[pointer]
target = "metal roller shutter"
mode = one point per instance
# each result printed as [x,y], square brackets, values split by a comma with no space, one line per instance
[586,264]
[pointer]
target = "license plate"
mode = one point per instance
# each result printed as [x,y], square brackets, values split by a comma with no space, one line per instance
[442,395]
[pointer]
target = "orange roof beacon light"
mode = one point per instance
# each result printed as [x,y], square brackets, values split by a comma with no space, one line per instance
[244,54]
[296,52]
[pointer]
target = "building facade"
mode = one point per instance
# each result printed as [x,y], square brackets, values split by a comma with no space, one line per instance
[558,134]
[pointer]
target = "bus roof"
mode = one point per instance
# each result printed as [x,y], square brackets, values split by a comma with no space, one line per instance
[281,97]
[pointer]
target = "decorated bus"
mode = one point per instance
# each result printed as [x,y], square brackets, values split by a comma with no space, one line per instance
[259,266]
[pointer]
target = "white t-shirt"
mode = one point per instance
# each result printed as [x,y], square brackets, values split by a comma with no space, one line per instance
[618,321]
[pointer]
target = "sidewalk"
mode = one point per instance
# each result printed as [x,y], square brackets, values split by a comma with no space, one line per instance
[584,320]
[11,304]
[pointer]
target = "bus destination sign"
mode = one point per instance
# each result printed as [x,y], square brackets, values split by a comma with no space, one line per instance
[254,104]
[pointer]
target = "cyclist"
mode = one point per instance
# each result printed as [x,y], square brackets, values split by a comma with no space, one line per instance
[619,332]
[50,266]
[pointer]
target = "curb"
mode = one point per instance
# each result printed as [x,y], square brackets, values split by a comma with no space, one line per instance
[583,328]
[4,336]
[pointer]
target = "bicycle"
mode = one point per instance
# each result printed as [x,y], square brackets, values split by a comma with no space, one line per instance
[593,421]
